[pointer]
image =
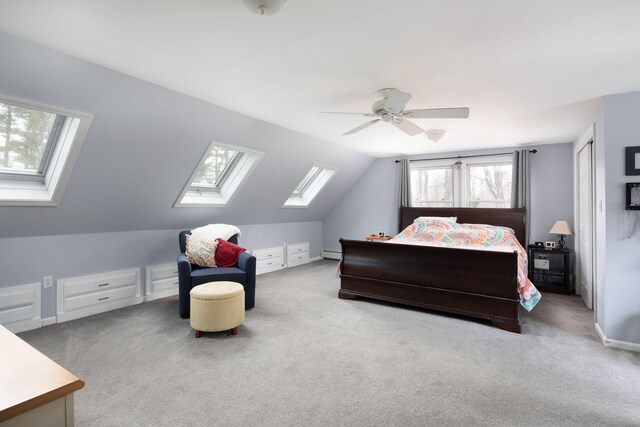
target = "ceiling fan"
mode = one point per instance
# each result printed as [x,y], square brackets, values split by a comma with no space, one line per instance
[390,109]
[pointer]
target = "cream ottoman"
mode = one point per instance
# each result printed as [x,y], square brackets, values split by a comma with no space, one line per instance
[217,306]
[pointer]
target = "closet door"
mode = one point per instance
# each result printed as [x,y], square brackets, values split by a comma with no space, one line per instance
[585,217]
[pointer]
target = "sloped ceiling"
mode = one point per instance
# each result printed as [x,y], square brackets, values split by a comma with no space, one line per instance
[529,70]
[143,145]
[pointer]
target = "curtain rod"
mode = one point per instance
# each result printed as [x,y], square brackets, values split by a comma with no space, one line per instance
[465,157]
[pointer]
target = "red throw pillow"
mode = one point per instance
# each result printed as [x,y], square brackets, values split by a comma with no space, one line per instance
[227,253]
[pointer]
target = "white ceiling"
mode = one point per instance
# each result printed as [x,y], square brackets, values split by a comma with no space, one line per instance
[529,71]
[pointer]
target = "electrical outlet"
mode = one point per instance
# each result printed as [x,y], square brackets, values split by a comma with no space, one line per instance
[47,282]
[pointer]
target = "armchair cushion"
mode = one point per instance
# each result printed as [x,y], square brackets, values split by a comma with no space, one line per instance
[201,250]
[227,253]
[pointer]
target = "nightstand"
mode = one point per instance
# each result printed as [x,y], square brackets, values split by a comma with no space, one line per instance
[551,270]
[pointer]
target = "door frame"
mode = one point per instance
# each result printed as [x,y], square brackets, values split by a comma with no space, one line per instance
[588,136]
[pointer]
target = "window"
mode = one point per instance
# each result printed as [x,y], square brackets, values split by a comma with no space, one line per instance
[312,183]
[38,147]
[476,182]
[220,173]
[432,186]
[489,185]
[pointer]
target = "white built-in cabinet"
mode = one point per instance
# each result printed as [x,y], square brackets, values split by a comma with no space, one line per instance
[161,281]
[20,307]
[269,259]
[279,257]
[96,293]
[297,254]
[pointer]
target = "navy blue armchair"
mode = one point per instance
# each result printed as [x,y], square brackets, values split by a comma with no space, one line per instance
[190,275]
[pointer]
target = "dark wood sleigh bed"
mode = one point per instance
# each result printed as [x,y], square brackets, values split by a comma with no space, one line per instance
[473,283]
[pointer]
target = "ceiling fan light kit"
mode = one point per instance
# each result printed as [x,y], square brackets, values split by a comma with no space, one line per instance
[390,109]
[435,135]
[264,7]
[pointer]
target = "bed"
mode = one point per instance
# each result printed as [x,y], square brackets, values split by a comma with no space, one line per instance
[477,283]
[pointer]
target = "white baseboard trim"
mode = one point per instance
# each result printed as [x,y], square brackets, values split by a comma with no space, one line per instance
[337,255]
[623,345]
[49,321]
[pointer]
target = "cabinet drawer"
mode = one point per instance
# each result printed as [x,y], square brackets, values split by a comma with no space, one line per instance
[298,258]
[269,263]
[262,254]
[87,284]
[298,248]
[164,272]
[159,285]
[101,297]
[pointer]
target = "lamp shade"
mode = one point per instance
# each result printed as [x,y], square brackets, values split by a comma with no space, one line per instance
[561,227]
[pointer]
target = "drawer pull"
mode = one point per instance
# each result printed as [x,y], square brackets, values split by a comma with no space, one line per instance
[103,284]
[175,272]
[175,283]
[269,263]
[103,298]
[269,255]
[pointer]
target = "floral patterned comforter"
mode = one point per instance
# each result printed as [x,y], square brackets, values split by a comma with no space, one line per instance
[432,231]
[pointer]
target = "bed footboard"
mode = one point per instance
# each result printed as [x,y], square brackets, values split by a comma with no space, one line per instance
[469,282]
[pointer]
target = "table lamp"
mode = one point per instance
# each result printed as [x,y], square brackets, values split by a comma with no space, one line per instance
[562,228]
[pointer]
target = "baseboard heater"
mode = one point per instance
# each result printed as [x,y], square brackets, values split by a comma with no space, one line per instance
[337,255]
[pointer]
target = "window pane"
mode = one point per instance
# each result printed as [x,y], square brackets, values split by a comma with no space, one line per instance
[432,186]
[24,134]
[490,186]
[214,168]
[309,177]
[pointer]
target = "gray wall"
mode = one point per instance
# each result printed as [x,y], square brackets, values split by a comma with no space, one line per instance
[620,291]
[28,259]
[143,145]
[371,205]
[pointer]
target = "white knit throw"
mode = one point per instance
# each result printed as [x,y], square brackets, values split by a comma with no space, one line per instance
[214,231]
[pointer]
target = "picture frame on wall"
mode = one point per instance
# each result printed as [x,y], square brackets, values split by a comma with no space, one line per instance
[632,160]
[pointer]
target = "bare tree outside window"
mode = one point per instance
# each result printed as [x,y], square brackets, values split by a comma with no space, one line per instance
[489,186]
[432,187]
[24,134]
[219,159]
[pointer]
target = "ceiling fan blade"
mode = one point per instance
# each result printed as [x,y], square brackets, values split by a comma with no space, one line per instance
[359,128]
[396,100]
[407,127]
[437,113]
[356,114]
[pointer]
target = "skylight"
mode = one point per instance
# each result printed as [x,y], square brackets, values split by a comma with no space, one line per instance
[220,173]
[312,183]
[38,146]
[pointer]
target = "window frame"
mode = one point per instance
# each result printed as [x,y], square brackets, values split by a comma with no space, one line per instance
[484,161]
[461,174]
[47,186]
[438,164]
[230,181]
[308,193]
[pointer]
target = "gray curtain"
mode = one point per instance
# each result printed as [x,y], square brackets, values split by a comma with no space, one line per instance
[521,187]
[405,193]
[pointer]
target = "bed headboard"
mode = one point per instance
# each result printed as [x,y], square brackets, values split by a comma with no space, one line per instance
[512,218]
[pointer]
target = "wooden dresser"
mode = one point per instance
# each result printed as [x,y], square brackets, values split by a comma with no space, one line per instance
[34,390]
